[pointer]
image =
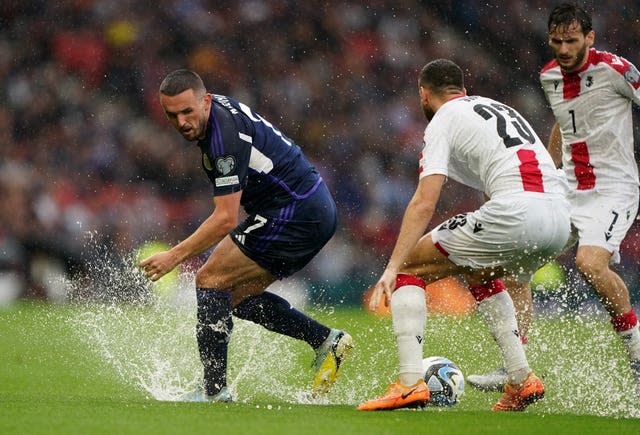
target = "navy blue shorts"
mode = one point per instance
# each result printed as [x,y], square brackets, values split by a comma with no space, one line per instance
[283,240]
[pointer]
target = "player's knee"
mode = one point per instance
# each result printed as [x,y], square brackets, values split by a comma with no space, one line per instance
[591,267]
[202,277]
[206,277]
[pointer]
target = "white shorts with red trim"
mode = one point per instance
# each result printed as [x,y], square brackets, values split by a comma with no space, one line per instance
[518,233]
[603,218]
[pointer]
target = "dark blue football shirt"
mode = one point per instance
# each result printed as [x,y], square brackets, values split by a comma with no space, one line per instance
[243,151]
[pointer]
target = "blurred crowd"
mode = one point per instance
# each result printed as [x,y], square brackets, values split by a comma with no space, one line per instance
[88,160]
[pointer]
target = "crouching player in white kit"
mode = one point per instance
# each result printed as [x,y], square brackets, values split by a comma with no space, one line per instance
[488,146]
[591,93]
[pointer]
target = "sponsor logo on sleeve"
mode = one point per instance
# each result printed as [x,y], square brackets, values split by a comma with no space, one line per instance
[227,181]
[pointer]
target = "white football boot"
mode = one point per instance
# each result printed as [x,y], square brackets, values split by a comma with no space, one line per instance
[492,381]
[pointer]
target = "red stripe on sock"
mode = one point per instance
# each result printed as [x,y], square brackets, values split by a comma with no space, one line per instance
[483,291]
[524,339]
[405,279]
[624,321]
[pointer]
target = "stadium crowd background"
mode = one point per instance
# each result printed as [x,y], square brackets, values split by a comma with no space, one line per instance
[89,167]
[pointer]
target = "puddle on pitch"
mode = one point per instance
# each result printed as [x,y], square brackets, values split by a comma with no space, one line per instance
[150,343]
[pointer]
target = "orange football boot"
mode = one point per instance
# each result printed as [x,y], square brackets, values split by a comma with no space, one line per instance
[518,397]
[399,396]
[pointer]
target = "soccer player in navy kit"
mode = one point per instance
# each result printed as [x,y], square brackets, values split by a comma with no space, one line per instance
[291,216]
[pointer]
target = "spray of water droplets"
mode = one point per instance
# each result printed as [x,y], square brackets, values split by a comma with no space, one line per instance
[149,341]
[148,338]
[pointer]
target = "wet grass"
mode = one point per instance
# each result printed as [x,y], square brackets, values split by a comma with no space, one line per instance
[103,368]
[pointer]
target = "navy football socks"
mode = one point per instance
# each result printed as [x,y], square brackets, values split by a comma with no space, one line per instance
[213,332]
[277,315]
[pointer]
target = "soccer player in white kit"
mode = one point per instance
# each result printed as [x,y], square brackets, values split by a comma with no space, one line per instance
[525,222]
[591,93]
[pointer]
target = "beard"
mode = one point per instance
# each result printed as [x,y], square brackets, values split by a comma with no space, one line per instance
[428,112]
[578,61]
[195,131]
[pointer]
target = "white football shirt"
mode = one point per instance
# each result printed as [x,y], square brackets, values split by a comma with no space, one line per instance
[488,146]
[593,109]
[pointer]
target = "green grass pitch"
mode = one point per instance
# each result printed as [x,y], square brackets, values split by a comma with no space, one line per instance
[113,369]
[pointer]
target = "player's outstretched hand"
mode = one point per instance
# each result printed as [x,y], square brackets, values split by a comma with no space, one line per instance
[384,286]
[158,265]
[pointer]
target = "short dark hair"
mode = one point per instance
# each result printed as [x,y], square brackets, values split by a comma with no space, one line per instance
[566,13]
[179,81]
[441,76]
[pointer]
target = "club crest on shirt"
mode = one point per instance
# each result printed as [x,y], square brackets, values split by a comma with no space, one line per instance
[207,163]
[632,75]
[225,165]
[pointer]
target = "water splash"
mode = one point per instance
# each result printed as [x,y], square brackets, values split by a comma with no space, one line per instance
[144,345]
[585,368]
[150,343]
[149,339]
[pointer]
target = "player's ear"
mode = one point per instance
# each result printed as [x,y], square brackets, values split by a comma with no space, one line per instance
[590,38]
[424,95]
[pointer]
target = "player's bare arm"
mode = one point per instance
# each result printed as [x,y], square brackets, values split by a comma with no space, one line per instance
[555,145]
[220,223]
[414,223]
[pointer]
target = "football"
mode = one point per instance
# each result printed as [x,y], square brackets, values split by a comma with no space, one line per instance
[444,379]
